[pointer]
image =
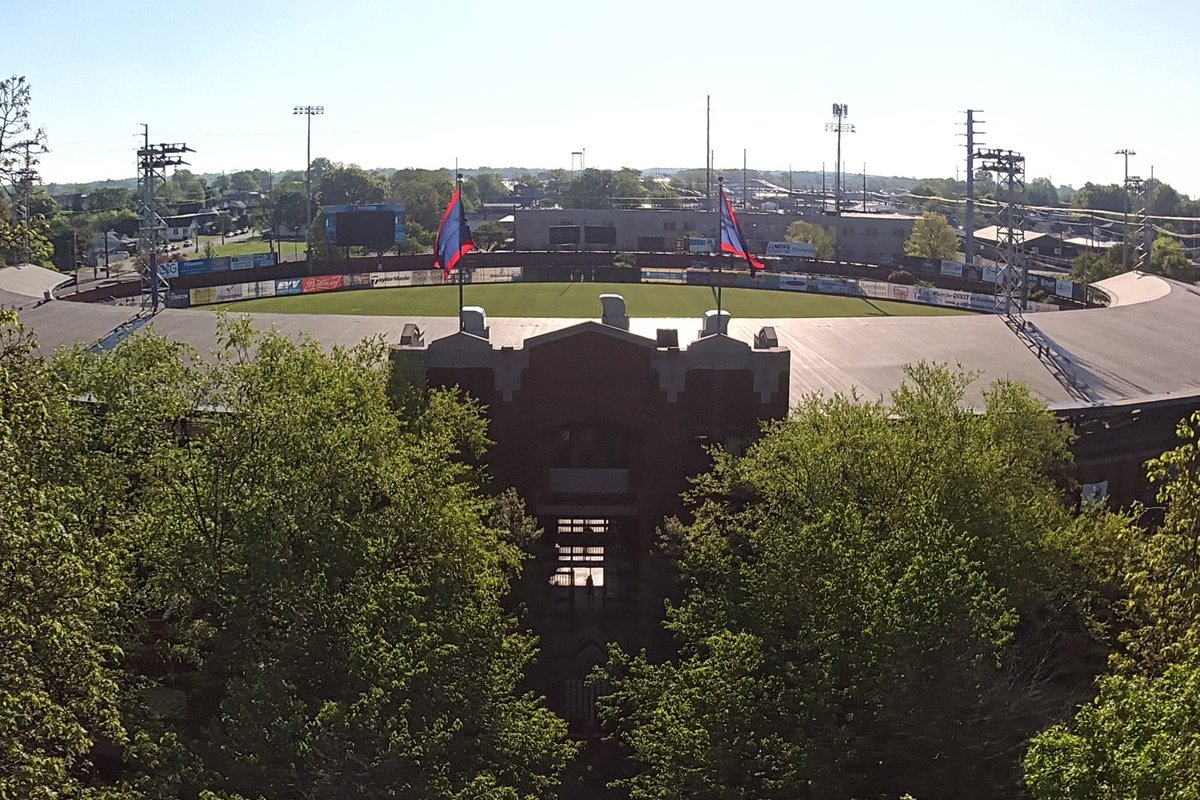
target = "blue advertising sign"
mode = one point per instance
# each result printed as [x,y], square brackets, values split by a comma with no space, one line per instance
[193,266]
[264,259]
[289,286]
[179,298]
[241,262]
[219,264]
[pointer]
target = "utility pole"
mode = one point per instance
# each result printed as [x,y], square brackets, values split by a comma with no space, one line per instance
[969,222]
[744,178]
[309,112]
[1126,152]
[840,112]
[708,152]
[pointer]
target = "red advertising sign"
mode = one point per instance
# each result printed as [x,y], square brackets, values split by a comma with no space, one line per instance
[322,283]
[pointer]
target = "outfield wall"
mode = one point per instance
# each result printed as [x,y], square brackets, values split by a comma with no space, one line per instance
[783,281]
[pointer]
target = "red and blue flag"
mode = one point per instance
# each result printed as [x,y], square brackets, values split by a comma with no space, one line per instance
[732,240]
[454,236]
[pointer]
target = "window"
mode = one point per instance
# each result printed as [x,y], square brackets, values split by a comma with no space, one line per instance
[580,566]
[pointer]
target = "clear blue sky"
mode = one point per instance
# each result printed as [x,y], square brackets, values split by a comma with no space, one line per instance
[525,82]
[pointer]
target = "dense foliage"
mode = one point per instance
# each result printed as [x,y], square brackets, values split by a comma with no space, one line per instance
[875,599]
[255,574]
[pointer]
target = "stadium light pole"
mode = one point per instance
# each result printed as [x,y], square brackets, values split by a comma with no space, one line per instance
[309,112]
[1125,190]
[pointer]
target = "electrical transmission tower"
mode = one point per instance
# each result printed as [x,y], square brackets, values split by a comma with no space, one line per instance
[153,161]
[1009,169]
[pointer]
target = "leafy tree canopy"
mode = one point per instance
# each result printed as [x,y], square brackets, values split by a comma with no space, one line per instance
[932,237]
[869,597]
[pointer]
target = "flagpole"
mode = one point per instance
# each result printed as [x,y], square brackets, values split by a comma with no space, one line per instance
[461,226]
[720,257]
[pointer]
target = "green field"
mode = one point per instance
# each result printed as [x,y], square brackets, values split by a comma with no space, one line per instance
[244,247]
[577,300]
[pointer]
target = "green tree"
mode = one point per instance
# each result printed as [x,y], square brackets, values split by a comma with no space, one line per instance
[596,188]
[342,184]
[1138,739]
[1166,201]
[932,238]
[490,186]
[823,239]
[109,199]
[296,614]
[425,194]
[869,597]
[1041,192]
[1102,197]
[1092,267]
[284,205]
[490,236]
[59,691]
[1167,258]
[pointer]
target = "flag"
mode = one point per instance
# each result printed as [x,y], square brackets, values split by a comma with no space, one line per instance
[454,236]
[732,240]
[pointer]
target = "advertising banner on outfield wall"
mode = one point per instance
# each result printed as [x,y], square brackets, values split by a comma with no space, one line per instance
[357,280]
[241,262]
[230,292]
[1064,288]
[203,295]
[387,280]
[991,275]
[193,266]
[898,291]
[664,275]
[792,282]
[322,283]
[288,286]
[792,249]
[264,259]
[953,269]
[258,289]
[169,269]
[179,298]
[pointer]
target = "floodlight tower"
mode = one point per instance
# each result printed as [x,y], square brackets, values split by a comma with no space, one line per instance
[309,112]
[1125,187]
[840,112]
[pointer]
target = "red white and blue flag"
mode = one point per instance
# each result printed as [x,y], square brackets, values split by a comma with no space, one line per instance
[732,240]
[454,236]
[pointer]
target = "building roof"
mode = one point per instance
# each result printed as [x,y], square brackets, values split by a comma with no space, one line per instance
[991,234]
[1071,359]
[31,281]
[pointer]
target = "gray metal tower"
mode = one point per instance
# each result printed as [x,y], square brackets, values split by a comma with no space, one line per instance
[1009,169]
[153,161]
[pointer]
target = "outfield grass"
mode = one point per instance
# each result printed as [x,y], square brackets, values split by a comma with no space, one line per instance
[244,247]
[582,300]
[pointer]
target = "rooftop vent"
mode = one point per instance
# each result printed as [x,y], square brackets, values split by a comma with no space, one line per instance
[474,320]
[613,311]
[715,322]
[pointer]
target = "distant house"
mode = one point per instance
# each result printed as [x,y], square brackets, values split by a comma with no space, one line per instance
[1035,242]
[181,227]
